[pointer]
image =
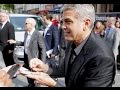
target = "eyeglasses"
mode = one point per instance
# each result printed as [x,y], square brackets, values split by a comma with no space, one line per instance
[27,23]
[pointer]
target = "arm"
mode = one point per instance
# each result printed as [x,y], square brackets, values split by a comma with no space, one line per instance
[42,47]
[100,72]
[116,43]
[11,34]
[17,43]
[56,40]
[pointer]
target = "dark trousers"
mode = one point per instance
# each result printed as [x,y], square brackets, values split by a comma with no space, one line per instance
[26,65]
[8,57]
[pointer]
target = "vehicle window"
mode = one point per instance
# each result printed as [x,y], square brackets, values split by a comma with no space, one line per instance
[39,23]
[18,23]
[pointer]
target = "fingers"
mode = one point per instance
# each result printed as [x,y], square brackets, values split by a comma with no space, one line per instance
[2,73]
[5,80]
[37,69]
[34,62]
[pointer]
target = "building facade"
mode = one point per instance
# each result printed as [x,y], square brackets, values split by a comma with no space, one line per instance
[33,8]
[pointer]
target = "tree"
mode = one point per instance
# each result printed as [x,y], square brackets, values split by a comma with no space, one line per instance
[8,7]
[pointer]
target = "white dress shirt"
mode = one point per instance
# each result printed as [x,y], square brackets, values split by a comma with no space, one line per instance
[46,29]
[3,24]
[28,39]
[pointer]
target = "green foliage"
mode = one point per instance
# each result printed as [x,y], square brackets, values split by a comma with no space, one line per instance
[8,7]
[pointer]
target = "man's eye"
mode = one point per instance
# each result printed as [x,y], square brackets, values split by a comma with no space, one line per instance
[68,22]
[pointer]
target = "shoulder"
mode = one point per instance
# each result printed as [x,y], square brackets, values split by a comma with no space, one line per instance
[9,24]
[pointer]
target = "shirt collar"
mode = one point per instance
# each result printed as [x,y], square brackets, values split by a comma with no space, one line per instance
[3,23]
[49,25]
[79,48]
[31,32]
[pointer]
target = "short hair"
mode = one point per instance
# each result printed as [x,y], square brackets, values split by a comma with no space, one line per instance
[48,17]
[112,20]
[32,21]
[83,11]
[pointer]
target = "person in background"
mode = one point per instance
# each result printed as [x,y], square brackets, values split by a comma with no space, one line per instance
[56,21]
[6,32]
[112,37]
[88,62]
[99,29]
[117,25]
[33,43]
[51,39]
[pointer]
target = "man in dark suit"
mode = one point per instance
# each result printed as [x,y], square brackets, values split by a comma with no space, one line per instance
[6,32]
[51,38]
[33,44]
[88,62]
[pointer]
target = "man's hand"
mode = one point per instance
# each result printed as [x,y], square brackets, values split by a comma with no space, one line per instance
[37,65]
[11,41]
[42,78]
[5,81]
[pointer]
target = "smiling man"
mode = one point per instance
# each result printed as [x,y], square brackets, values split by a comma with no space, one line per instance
[88,61]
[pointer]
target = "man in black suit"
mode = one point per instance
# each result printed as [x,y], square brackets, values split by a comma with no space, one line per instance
[6,32]
[88,62]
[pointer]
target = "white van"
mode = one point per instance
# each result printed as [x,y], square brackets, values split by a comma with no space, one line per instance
[18,21]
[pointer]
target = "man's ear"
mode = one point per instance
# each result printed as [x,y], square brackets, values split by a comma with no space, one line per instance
[86,24]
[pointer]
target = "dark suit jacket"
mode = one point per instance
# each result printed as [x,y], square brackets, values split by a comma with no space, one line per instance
[6,33]
[52,39]
[36,47]
[93,67]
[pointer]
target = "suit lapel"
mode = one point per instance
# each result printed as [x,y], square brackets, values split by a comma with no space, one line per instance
[32,38]
[25,38]
[67,56]
[80,60]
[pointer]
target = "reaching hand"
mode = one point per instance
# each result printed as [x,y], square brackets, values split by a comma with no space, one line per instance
[42,78]
[5,81]
[11,41]
[37,65]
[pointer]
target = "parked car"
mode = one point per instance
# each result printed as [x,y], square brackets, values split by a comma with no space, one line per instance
[18,21]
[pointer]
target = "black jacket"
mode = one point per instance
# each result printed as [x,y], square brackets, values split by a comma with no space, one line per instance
[93,67]
[6,33]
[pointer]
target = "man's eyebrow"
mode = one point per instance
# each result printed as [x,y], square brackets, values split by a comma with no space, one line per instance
[67,19]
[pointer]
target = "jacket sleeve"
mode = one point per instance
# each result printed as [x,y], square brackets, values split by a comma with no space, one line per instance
[58,70]
[42,46]
[116,43]
[56,39]
[11,35]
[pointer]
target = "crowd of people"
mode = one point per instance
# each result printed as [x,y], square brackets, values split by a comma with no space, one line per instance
[88,50]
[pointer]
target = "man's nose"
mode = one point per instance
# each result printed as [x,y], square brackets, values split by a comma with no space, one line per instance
[63,26]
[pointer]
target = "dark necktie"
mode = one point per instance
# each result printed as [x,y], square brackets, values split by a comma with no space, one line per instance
[1,25]
[107,32]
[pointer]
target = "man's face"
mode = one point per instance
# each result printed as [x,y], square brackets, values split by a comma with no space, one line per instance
[72,26]
[109,23]
[3,17]
[28,25]
[45,20]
